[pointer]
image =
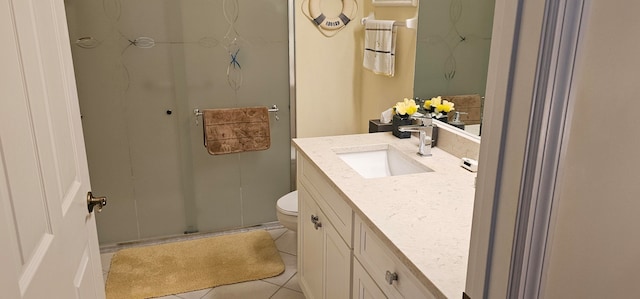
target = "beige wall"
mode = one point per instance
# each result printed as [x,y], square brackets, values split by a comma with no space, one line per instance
[335,95]
[379,92]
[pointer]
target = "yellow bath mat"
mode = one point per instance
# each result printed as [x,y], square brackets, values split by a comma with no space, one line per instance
[161,270]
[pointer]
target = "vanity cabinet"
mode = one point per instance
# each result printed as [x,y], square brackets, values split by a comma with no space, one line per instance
[379,240]
[324,237]
[339,255]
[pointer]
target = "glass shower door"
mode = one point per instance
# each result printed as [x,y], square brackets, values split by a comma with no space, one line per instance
[142,67]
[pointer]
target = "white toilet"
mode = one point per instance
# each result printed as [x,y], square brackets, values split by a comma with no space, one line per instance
[287,210]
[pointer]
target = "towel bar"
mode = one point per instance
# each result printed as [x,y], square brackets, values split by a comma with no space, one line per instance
[197,113]
[409,23]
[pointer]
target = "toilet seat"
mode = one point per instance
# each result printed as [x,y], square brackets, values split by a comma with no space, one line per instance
[288,204]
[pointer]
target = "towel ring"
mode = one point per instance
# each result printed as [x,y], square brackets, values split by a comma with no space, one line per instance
[331,23]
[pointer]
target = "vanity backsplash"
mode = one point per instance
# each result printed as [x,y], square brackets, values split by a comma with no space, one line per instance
[457,143]
[450,139]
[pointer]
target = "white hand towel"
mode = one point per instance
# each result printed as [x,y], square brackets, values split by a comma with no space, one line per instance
[380,47]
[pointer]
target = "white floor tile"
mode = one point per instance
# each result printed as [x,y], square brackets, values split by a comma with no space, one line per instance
[288,242]
[276,233]
[293,284]
[195,294]
[105,259]
[291,267]
[288,294]
[252,289]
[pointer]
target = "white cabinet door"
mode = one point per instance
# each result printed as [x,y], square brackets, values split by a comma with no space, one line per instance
[324,259]
[337,272]
[48,240]
[311,246]
[363,286]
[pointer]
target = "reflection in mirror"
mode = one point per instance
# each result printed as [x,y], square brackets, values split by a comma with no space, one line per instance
[452,56]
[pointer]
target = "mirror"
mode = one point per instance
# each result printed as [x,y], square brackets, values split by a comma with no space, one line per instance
[452,55]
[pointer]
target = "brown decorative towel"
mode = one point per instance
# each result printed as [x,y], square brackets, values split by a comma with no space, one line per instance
[235,130]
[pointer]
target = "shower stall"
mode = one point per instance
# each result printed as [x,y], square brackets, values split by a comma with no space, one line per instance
[142,68]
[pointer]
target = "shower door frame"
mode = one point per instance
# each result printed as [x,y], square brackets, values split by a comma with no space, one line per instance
[292,88]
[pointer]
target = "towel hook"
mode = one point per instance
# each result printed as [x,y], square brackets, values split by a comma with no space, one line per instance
[275,109]
[197,113]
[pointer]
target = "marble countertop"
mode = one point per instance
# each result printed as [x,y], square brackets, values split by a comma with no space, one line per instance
[424,218]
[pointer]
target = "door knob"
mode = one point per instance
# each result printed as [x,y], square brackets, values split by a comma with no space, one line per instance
[99,201]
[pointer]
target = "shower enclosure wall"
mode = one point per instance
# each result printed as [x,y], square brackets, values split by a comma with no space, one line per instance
[142,67]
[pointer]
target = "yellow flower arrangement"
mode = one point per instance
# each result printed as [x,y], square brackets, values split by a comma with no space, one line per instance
[437,107]
[405,108]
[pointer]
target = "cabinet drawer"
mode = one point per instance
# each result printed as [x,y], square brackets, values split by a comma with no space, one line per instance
[327,197]
[393,278]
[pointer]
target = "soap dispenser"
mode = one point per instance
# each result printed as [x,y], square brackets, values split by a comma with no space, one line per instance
[456,122]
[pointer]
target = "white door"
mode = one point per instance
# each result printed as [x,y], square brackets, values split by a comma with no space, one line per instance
[593,241]
[48,240]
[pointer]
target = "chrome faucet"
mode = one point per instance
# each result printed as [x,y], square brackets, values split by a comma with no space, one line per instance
[423,126]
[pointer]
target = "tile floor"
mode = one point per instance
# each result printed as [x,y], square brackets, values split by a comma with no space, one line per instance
[284,286]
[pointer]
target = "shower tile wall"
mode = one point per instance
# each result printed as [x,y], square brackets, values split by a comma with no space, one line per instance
[152,165]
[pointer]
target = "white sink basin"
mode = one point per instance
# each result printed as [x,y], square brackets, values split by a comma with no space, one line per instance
[380,161]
